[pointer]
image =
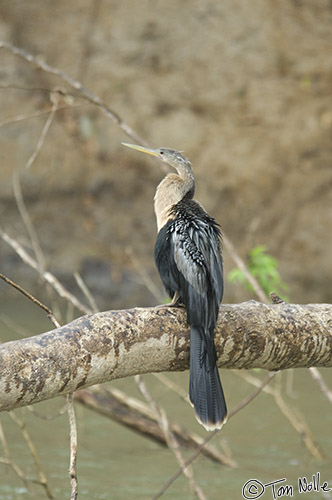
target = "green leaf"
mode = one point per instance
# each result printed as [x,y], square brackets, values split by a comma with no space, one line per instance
[264,268]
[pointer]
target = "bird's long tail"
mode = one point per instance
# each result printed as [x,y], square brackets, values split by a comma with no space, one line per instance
[205,390]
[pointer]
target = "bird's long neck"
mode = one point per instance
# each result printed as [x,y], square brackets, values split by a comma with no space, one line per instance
[172,189]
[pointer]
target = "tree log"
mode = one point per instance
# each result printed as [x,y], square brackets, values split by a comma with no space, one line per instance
[105,346]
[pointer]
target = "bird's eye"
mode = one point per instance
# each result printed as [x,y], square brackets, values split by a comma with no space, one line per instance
[161,152]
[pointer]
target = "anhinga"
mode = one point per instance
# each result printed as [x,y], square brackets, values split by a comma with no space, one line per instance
[188,258]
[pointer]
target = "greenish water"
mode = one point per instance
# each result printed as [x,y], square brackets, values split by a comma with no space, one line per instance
[115,463]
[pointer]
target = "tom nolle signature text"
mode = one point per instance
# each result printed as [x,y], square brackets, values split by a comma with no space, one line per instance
[253,488]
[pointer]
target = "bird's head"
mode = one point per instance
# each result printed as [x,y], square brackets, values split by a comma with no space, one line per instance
[170,156]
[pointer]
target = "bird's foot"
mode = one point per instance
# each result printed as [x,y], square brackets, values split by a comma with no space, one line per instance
[176,302]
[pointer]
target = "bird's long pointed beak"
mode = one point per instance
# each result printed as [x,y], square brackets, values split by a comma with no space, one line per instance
[148,151]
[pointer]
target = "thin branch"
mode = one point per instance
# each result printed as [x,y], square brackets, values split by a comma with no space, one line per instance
[241,265]
[18,192]
[88,31]
[253,395]
[299,424]
[318,378]
[32,298]
[70,409]
[73,447]
[170,438]
[20,118]
[295,419]
[87,94]
[148,282]
[13,86]
[88,295]
[58,414]
[172,386]
[138,416]
[47,276]
[42,477]
[48,123]
[316,375]
[28,222]
[8,459]
[20,331]
[201,447]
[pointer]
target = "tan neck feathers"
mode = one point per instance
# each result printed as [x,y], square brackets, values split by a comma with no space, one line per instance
[170,191]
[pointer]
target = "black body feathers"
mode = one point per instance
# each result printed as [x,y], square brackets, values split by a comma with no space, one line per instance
[188,258]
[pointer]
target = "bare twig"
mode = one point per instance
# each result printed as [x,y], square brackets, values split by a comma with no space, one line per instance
[18,192]
[199,449]
[241,265]
[90,25]
[318,378]
[170,438]
[70,409]
[55,102]
[28,222]
[32,298]
[16,469]
[292,415]
[42,477]
[172,386]
[47,276]
[148,282]
[252,396]
[294,418]
[19,330]
[87,94]
[58,414]
[299,424]
[62,91]
[73,447]
[80,282]
[41,474]
[8,459]
[138,416]
[20,118]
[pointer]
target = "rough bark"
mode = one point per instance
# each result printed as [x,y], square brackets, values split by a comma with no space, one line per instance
[105,346]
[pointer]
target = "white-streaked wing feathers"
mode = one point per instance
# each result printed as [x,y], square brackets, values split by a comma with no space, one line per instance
[196,251]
